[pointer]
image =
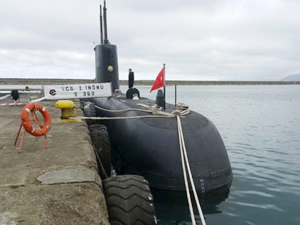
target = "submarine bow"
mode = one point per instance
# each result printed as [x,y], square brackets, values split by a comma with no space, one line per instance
[150,147]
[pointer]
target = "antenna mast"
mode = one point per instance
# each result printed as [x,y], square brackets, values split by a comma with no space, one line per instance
[101,26]
[105,24]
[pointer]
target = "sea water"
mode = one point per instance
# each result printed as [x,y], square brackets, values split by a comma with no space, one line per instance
[260,126]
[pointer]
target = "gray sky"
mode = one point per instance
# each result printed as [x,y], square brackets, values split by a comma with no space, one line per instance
[197,39]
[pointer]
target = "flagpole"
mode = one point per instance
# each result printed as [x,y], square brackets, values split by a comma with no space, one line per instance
[164,86]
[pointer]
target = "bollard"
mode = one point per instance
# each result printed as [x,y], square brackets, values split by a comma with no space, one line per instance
[67,108]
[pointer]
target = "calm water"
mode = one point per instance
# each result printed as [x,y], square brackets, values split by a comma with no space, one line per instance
[260,126]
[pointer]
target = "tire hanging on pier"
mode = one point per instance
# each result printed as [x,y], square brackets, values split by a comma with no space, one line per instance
[129,200]
[100,139]
[101,142]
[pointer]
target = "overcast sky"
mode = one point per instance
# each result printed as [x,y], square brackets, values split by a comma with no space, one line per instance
[244,40]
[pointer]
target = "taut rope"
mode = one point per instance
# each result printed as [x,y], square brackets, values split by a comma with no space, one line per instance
[185,163]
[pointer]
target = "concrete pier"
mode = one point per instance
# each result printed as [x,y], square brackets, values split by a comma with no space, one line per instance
[57,185]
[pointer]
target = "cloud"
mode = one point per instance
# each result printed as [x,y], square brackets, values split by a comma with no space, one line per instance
[198,40]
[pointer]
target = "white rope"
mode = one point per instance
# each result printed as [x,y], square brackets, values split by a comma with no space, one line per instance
[154,109]
[122,110]
[156,113]
[14,104]
[157,110]
[119,117]
[184,173]
[184,109]
[183,151]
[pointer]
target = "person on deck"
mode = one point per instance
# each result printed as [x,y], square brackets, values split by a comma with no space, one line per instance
[130,78]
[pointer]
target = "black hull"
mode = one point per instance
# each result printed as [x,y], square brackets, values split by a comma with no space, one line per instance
[150,147]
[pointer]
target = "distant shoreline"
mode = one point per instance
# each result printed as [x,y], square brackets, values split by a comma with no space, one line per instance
[8,81]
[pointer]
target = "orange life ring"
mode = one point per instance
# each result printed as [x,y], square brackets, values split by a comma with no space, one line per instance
[26,120]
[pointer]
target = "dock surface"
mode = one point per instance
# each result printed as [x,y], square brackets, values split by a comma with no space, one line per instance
[57,185]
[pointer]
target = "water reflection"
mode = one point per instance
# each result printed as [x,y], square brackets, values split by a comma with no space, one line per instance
[172,206]
[260,128]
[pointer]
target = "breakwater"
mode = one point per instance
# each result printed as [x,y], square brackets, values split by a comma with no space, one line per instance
[8,81]
[175,82]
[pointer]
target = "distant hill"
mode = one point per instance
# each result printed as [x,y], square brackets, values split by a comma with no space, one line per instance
[15,81]
[293,77]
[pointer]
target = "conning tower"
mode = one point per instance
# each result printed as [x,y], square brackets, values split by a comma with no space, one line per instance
[106,56]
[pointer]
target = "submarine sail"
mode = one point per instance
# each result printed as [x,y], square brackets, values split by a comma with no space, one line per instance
[150,146]
[106,57]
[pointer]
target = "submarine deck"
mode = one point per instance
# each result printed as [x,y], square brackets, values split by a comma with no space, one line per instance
[195,120]
[56,185]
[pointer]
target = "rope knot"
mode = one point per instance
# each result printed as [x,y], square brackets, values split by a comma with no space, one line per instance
[177,113]
[183,108]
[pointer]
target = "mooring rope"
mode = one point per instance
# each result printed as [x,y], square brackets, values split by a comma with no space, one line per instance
[185,161]
[154,109]
[101,164]
[184,172]
[119,117]
[121,110]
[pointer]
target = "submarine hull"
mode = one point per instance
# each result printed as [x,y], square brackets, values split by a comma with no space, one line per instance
[150,146]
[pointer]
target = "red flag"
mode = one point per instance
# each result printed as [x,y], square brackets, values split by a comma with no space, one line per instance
[160,81]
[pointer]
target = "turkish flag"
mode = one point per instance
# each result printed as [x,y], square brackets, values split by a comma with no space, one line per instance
[160,81]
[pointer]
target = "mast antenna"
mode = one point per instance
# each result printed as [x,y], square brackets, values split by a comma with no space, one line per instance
[101,26]
[105,24]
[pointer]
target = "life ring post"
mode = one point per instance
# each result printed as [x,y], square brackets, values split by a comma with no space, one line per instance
[28,115]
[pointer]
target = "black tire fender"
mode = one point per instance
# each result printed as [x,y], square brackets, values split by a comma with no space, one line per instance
[100,139]
[129,200]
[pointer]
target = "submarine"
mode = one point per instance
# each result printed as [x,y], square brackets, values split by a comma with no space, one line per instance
[149,146]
